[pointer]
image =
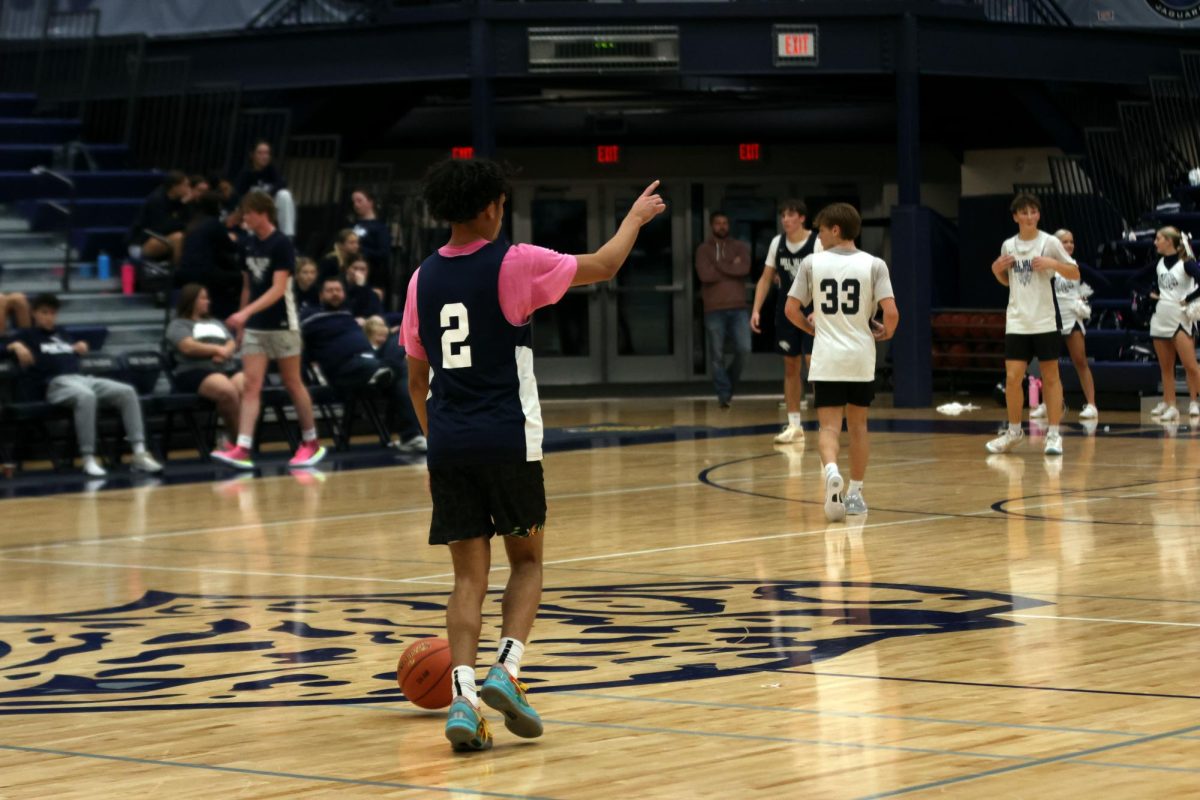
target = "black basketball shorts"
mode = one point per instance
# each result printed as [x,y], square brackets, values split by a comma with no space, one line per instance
[843,393]
[476,500]
[1028,346]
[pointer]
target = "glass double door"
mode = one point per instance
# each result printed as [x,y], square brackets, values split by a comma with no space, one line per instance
[630,329]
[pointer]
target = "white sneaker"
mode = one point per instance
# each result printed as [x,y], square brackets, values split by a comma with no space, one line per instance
[1194,409]
[1089,412]
[855,504]
[1158,409]
[790,434]
[1039,412]
[92,467]
[417,444]
[1053,444]
[1170,415]
[144,462]
[1005,441]
[835,509]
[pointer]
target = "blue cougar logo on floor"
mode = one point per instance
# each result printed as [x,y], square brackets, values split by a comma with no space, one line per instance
[170,650]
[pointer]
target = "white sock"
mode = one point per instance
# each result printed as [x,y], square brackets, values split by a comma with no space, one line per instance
[464,684]
[245,441]
[1053,430]
[509,654]
[794,420]
[139,448]
[309,435]
[1014,430]
[831,469]
[856,487]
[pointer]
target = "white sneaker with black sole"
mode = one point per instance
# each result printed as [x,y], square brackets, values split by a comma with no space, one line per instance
[835,509]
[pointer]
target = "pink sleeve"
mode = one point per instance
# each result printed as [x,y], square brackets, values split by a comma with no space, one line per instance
[410,336]
[532,277]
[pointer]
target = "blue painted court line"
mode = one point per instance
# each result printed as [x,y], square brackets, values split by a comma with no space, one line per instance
[994,685]
[268,773]
[972,723]
[1074,758]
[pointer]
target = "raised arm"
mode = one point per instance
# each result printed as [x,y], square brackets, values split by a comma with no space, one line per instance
[604,264]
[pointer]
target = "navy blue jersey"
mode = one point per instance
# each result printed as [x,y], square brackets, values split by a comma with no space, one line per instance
[261,259]
[483,405]
[787,264]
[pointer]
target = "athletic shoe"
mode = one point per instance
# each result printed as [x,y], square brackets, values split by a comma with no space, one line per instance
[855,504]
[506,694]
[835,509]
[235,456]
[1170,415]
[1089,426]
[1194,409]
[382,378]
[790,434]
[1005,441]
[307,454]
[92,468]
[1053,444]
[416,444]
[466,728]
[1039,412]
[1158,409]
[144,462]
[1089,412]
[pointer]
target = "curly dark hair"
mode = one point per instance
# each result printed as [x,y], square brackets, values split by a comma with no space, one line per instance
[457,191]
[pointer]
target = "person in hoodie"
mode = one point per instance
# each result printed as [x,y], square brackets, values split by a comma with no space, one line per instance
[722,264]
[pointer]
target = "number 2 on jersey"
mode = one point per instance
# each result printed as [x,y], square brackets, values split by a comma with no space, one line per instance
[455,330]
[851,288]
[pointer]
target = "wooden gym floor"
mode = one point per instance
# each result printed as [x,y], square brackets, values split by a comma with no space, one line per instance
[995,627]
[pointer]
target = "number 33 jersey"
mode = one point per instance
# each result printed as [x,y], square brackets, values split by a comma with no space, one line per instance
[844,285]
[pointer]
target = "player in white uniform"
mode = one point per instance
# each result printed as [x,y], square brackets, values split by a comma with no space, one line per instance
[784,255]
[845,286]
[1073,310]
[1028,265]
[1172,332]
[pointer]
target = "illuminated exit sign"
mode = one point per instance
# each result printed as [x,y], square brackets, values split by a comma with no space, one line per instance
[795,45]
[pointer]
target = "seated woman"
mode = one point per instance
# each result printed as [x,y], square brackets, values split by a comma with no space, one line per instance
[204,349]
[334,264]
[363,301]
[305,286]
[261,175]
[16,306]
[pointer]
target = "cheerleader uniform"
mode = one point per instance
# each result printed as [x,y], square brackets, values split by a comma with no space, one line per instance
[1178,285]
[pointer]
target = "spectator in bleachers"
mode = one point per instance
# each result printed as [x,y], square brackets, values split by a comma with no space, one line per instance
[335,262]
[272,333]
[306,286]
[339,346]
[50,359]
[364,301]
[164,214]
[262,175]
[377,332]
[210,257]
[374,239]
[224,189]
[204,355]
[198,185]
[14,305]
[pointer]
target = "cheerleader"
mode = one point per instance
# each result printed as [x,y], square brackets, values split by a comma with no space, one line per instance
[1172,328]
[1074,311]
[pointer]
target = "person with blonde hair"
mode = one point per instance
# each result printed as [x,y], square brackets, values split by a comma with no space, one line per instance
[1172,330]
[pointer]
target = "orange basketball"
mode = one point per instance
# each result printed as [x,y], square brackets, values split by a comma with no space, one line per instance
[424,673]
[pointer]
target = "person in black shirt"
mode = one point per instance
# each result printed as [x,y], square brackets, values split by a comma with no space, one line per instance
[209,258]
[334,264]
[50,358]
[272,332]
[261,175]
[163,213]
[374,239]
[364,302]
[306,285]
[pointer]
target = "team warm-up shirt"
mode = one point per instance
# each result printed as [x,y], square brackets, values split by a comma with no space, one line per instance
[468,314]
[261,259]
[1032,305]
[53,354]
[845,286]
[786,263]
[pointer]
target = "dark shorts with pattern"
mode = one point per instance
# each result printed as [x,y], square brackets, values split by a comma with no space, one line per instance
[1028,346]
[474,500]
[843,393]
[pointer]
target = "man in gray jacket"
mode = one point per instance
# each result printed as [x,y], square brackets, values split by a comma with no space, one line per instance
[723,263]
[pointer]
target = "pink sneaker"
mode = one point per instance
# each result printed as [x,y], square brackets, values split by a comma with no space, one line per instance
[307,454]
[235,456]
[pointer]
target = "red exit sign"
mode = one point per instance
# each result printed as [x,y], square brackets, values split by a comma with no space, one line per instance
[462,153]
[608,154]
[795,45]
[750,151]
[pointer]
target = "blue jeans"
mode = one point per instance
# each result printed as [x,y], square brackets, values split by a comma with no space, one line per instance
[731,325]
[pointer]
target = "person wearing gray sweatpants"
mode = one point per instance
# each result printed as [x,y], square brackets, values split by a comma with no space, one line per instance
[51,359]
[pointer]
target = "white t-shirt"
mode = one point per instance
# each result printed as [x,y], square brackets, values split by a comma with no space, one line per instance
[845,286]
[1031,302]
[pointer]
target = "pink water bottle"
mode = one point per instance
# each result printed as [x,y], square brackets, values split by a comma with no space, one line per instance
[1035,391]
[128,278]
